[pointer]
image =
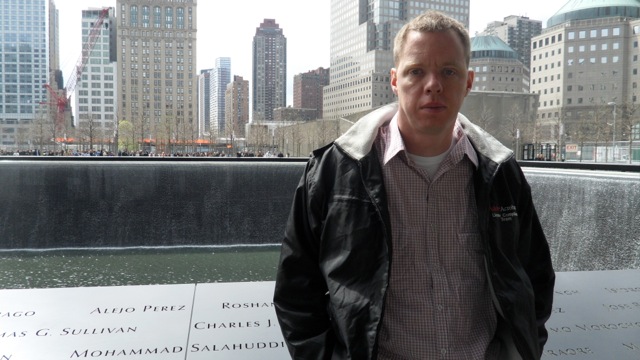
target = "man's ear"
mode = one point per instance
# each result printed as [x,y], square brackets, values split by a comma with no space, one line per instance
[393,81]
[470,76]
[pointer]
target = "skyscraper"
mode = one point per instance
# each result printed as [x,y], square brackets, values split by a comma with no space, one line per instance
[55,73]
[28,58]
[219,78]
[237,107]
[307,90]
[362,34]
[157,82]
[204,102]
[269,70]
[96,100]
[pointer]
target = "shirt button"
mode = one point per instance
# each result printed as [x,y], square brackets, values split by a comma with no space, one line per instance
[440,307]
[444,351]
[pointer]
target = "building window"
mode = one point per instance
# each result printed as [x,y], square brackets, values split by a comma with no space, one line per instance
[133,17]
[616,31]
[157,17]
[168,22]
[180,18]
[604,32]
[594,33]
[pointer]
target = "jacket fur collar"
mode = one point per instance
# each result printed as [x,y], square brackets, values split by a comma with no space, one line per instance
[358,140]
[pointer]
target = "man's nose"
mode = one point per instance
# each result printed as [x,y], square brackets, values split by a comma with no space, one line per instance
[433,83]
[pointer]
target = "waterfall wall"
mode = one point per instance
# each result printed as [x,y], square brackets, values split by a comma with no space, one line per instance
[591,217]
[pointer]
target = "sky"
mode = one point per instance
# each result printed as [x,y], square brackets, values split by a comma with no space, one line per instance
[226,29]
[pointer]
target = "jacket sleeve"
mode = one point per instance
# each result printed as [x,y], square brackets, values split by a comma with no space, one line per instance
[300,296]
[536,259]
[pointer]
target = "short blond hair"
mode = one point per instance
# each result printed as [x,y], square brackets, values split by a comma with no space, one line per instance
[432,21]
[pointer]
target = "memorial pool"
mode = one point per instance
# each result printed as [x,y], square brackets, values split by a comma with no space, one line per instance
[136,266]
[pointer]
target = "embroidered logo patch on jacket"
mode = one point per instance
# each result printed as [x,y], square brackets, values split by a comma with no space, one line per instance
[504,213]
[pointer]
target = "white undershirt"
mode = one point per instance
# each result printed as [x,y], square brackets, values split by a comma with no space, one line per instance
[431,163]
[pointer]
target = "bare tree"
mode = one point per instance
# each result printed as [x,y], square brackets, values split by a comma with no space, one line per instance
[486,116]
[580,132]
[163,131]
[88,130]
[296,139]
[324,130]
[259,137]
[514,120]
[599,127]
[627,122]
[229,133]
[40,131]
[559,132]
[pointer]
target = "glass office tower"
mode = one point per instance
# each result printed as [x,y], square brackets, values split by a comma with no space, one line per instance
[28,43]
[362,34]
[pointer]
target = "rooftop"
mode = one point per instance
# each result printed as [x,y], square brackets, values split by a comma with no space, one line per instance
[489,46]
[593,9]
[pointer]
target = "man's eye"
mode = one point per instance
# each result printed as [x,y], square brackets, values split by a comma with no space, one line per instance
[449,72]
[415,72]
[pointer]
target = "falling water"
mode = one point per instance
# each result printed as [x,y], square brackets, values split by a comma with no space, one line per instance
[591,218]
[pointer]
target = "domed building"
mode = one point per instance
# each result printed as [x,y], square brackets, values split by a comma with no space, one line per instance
[497,66]
[584,66]
[594,9]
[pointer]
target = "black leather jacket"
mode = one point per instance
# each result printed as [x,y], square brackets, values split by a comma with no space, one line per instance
[333,270]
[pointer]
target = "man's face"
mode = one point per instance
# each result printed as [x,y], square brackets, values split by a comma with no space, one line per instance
[431,81]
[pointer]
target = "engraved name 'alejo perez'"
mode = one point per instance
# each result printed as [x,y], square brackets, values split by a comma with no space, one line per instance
[144,309]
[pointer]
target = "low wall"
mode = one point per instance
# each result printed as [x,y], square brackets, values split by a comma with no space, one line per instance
[591,217]
[111,203]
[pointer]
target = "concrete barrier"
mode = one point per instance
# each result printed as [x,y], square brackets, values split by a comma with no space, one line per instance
[591,217]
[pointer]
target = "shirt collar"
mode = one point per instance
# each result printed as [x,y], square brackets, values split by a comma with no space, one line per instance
[395,143]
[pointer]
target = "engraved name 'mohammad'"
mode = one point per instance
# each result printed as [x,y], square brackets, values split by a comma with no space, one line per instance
[125,352]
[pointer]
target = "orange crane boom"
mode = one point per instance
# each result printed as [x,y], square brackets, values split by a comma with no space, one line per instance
[61,102]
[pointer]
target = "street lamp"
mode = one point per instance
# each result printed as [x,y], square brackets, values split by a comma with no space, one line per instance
[614,130]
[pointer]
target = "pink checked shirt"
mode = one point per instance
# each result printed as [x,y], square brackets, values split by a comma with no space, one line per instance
[438,304]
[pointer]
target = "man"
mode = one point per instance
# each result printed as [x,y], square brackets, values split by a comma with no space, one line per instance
[413,235]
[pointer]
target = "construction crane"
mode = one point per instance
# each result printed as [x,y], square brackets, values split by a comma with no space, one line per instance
[62,101]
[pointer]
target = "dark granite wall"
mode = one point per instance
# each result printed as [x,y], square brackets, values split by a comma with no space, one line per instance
[115,204]
[592,218]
